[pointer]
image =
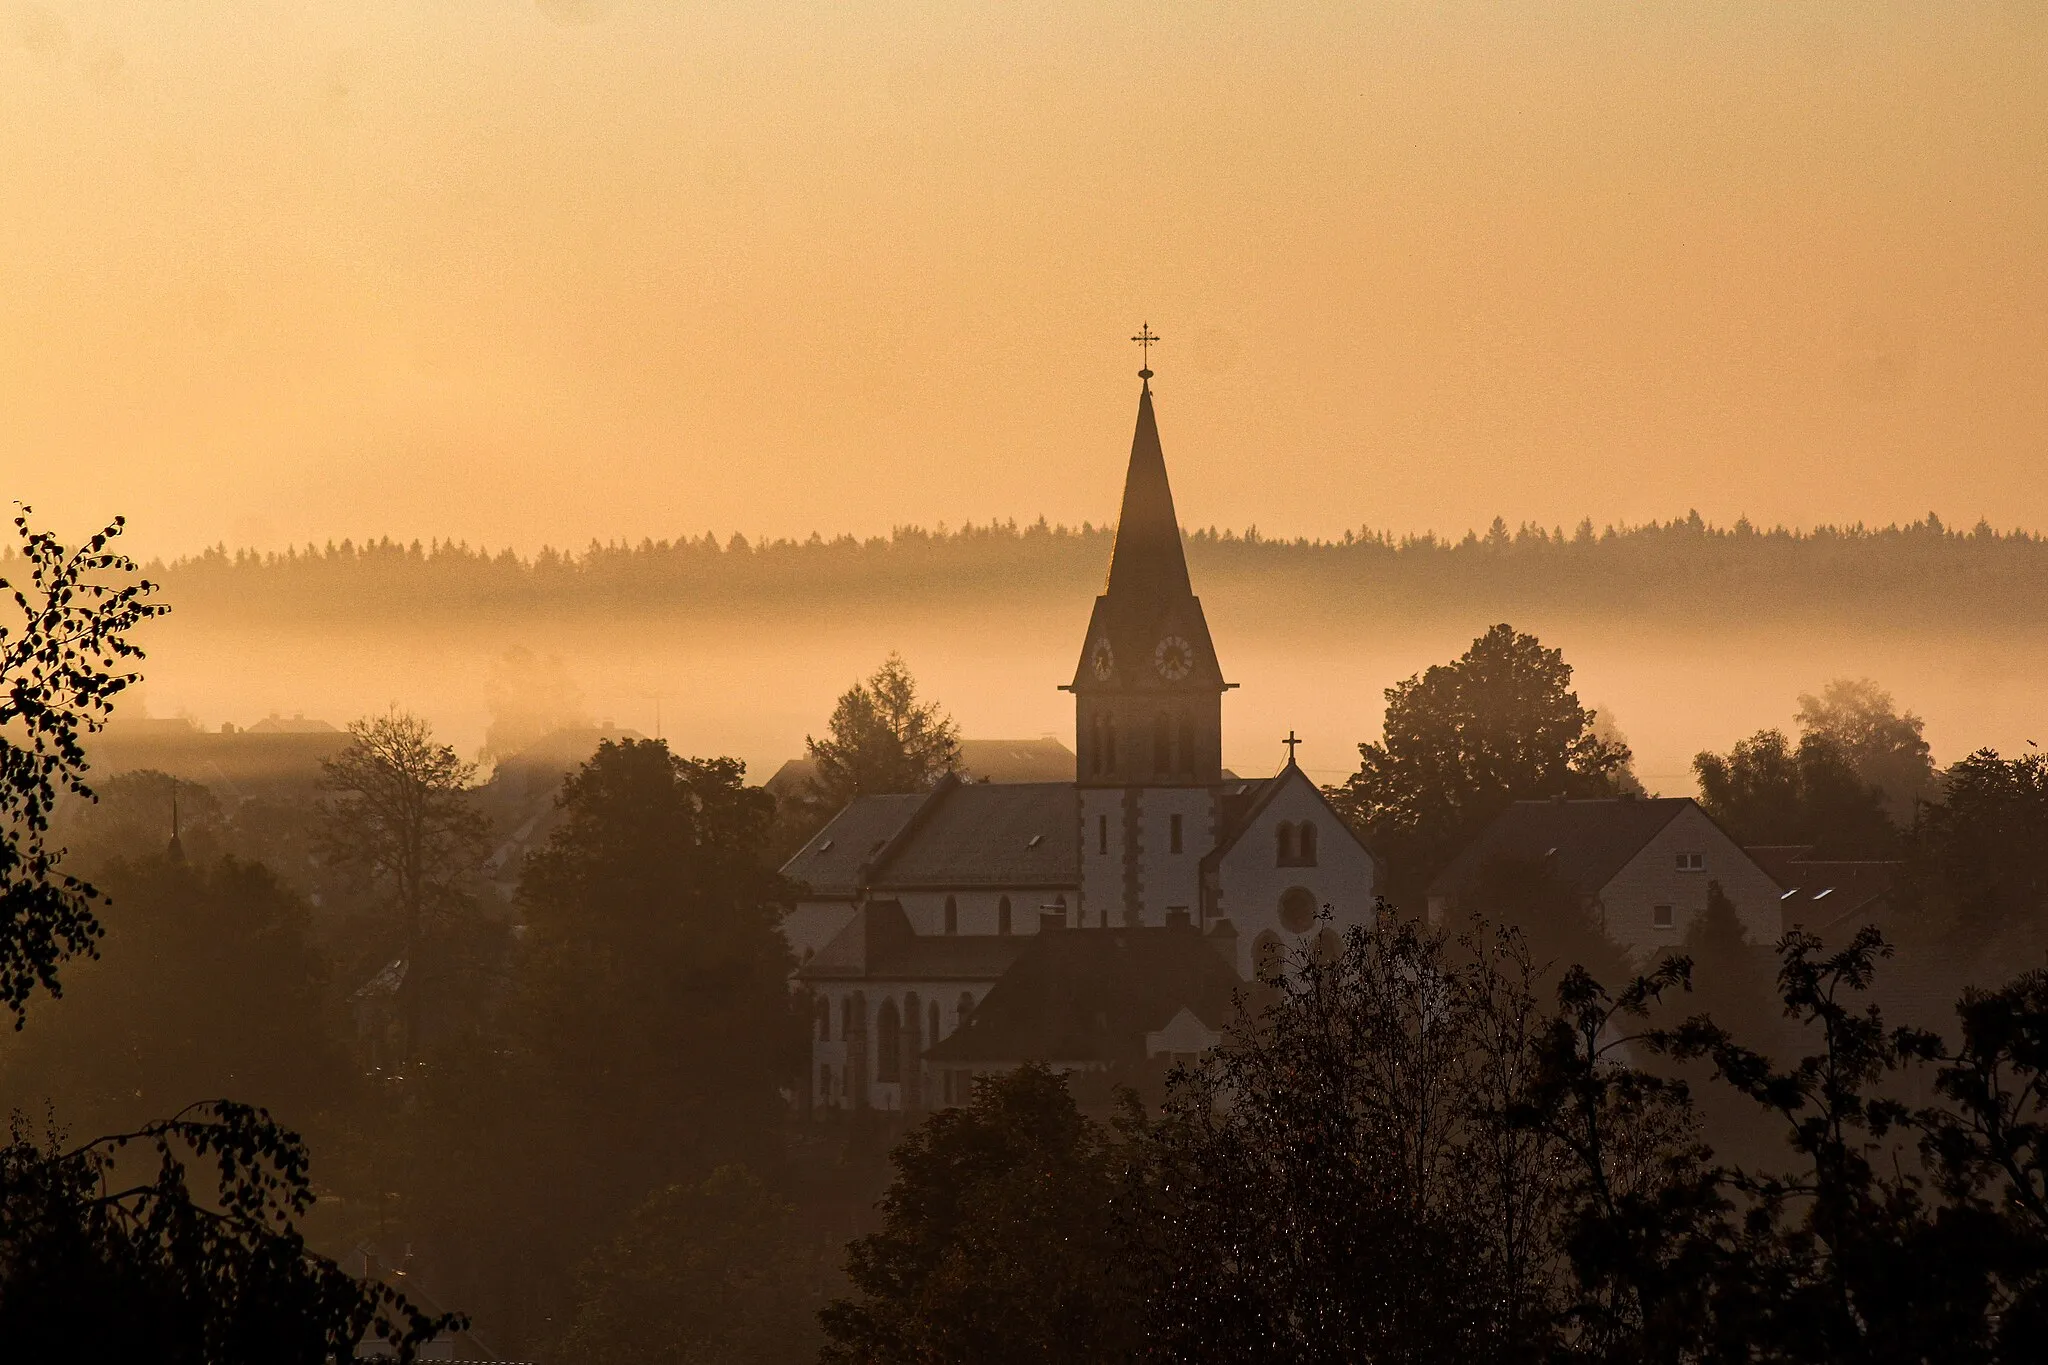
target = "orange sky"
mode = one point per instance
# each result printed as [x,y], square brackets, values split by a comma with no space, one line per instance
[536,273]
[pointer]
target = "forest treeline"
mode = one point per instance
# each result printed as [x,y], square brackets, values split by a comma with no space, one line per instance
[1925,572]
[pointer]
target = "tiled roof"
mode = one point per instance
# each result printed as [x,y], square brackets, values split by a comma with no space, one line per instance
[991,834]
[1091,995]
[1827,897]
[992,760]
[1587,842]
[830,864]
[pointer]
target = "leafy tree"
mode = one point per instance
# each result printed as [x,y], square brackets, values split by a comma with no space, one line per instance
[107,1253]
[1001,1239]
[61,666]
[1466,739]
[99,1259]
[650,1006]
[1341,1181]
[1885,749]
[1558,927]
[882,739]
[192,956]
[1765,791]
[1976,856]
[701,1274]
[400,813]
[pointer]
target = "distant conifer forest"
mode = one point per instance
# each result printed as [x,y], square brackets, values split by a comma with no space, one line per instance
[1921,574]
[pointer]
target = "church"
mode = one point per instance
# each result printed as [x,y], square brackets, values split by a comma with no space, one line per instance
[1093,924]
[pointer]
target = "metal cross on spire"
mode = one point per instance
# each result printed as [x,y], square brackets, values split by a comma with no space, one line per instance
[1146,340]
[1290,742]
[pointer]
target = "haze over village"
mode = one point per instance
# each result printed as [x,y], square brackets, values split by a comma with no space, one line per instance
[758,683]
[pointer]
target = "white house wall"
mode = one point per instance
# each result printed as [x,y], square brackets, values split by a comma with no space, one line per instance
[1652,878]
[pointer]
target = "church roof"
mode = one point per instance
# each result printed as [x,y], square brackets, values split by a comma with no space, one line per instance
[880,945]
[1091,995]
[833,863]
[991,834]
[1588,842]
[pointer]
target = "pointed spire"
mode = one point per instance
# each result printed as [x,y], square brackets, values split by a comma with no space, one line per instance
[1147,559]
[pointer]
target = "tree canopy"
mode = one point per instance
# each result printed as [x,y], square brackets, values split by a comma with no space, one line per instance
[882,738]
[1465,739]
[1767,791]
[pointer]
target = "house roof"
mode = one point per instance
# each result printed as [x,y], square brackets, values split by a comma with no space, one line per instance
[1091,995]
[1587,841]
[991,834]
[1821,894]
[880,945]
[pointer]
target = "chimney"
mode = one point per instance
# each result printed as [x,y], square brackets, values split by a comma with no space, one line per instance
[1177,917]
[1051,921]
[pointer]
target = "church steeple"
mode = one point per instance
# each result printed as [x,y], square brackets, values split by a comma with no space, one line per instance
[1148,560]
[1148,684]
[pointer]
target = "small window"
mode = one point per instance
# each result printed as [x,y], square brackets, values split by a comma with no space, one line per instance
[1002,927]
[1307,840]
[824,846]
[1660,917]
[1283,845]
[952,915]
[1102,834]
[1173,832]
[1692,862]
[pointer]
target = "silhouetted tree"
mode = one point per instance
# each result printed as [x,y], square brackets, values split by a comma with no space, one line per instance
[644,1040]
[1466,739]
[1002,1239]
[61,666]
[1977,856]
[399,812]
[1340,1180]
[882,739]
[194,958]
[1885,749]
[702,1274]
[1559,927]
[101,1256]
[1765,791]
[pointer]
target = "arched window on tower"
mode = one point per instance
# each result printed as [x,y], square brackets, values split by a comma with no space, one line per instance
[1162,745]
[1283,845]
[952,915]
[888,1043]
[1307,851]
[1095,742]
[1003,915]
[1186,746]
[1109,744]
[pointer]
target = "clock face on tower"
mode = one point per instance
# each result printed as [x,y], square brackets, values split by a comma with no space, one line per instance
[1174,658]
[1102,659]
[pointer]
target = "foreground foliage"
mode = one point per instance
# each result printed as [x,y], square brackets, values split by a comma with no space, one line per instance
[1404,1156]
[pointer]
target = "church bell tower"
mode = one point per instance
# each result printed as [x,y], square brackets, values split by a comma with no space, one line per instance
[1148,704]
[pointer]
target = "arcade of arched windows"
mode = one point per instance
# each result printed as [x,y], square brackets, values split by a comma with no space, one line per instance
[884,1042]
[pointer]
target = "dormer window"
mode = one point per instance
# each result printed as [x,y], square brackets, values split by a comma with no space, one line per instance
[825,846]
[1692,862]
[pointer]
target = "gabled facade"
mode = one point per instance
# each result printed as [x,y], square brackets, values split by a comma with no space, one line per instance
[1152,837]
[1643,864]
